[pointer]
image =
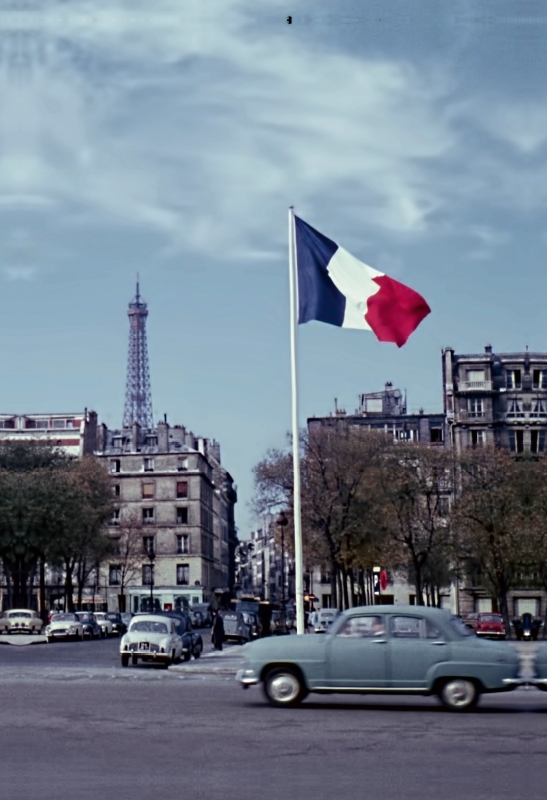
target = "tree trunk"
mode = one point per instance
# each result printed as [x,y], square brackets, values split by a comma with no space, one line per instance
[42,591]
[345,587]
[333,586]
[418,584]
[69,589]
[504,607]
[352,587]
[362,587]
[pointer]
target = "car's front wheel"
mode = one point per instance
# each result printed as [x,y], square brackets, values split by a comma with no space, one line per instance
[197,651]
[459,694]
[283,687]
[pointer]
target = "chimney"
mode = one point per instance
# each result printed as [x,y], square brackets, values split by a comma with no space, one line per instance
[135,430]
[163,437]
[488,349]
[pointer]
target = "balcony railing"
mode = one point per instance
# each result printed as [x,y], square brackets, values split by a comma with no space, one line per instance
[475,386]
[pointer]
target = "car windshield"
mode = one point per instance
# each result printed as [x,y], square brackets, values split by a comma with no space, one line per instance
[490,618]
[20,614]
[64,618]
[148,626]
[100,616]
[85,617]
[113,616]
[460,627]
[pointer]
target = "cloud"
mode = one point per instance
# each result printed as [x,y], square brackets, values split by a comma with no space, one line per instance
[195,122]
[20,273]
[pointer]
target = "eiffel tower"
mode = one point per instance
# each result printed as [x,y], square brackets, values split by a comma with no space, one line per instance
[138,395]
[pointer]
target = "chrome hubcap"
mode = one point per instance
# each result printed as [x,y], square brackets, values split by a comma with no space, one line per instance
[459,693]
[284,688]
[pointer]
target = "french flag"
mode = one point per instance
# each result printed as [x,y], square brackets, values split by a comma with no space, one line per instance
[334,287]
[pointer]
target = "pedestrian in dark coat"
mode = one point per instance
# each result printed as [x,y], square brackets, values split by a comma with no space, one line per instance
[217,631]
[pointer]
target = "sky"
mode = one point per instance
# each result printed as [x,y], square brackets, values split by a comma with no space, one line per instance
[168,138]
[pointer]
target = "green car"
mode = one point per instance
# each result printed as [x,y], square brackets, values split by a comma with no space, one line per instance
[383,649]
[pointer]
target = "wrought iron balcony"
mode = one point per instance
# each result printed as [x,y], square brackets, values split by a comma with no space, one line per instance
[475,386]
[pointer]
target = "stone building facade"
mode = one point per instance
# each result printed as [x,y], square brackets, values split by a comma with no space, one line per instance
[176,501]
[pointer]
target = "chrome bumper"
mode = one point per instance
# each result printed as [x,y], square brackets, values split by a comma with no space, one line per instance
[247,677]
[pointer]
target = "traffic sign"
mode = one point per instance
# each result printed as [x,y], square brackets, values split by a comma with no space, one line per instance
[383,580]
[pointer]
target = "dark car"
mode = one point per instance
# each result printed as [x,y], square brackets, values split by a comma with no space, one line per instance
[526,627]
[240,625]
[192,643]
[92,629]
[118,625]
[201,615]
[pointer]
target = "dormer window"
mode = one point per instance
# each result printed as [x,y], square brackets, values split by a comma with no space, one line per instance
[513,379]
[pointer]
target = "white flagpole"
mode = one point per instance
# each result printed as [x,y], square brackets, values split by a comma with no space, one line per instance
[298,559]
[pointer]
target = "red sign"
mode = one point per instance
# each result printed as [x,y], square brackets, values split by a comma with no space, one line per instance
[383,580]
[168,606]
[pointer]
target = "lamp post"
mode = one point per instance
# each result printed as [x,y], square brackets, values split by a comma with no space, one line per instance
[282,523]
[151,556]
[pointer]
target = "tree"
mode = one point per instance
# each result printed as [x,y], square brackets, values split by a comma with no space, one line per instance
[494,512]
[127,550]
[416,481]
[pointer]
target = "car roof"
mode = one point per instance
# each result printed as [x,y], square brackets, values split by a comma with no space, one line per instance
[424,611]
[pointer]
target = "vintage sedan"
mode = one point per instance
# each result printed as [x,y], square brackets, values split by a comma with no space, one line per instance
[490,626]
[383,649]
[151,638]
[119,627]
[64,626]
[104,623]
[20,620]
[90,625]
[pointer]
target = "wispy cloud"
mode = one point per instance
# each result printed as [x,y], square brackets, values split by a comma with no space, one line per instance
[173,116]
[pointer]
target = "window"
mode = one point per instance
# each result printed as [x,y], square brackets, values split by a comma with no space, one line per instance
[182,488]
[182,464]
[151,441]
[366,627]
[70,423]
[513,379]
[514,408]
[443,505]
[537,441]
[183,574]
[115,518]
[59,423]
[516,441]
[148,490]
[114,575]
[115,465]
[475,406]
[147,544]
[146,574]
[325,577]
[116,550]
[413,628]
[183,541]
[148,464]
[182,516]
[539,378]
[475,375]
[148,516]
[539,408]
[116,490]
[41,423]
[436,435]
[478,438]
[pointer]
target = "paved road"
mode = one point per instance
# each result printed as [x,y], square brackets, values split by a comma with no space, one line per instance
[203,737]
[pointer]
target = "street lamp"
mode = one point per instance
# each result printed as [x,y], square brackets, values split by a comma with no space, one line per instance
[282,523]
[151,556]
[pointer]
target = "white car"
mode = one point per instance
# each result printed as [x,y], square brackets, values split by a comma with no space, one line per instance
[104,623]
[64,626]
[20,620]
[151,639]
[321,621]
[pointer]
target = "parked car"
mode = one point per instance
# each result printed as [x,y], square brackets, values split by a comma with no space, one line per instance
[240,626]
[107,629]
[64,626]
[320,621]
[490,626]
[91,627]
[119,627]
[20,620]
[192,643]
[151,638]
[126,617]
[201,613]
[471,620]
[383,649]
[526,627]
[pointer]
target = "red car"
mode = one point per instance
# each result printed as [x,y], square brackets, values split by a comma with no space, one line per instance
[490,625]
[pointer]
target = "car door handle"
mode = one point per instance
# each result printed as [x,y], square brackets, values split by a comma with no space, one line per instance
[439,644]
[379,641]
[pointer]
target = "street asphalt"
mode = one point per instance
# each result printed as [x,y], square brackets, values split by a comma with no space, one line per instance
[76,725]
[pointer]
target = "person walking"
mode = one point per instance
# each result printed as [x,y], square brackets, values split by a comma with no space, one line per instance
[217,631]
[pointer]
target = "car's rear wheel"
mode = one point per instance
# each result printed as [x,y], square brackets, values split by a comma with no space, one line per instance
[125,661]
[197,651]
[284,687]
[49,639]
[459,694]
[186,655]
